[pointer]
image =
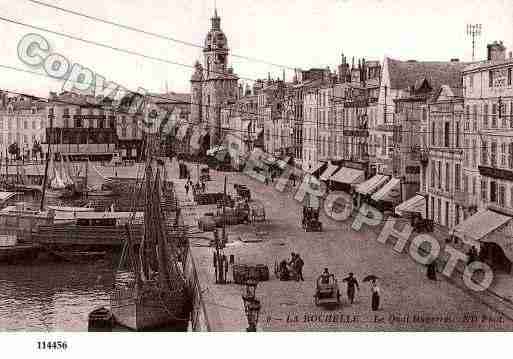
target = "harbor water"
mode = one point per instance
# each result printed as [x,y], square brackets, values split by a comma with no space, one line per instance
[53,296]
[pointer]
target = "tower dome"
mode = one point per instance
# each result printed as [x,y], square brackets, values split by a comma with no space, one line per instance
[215,38]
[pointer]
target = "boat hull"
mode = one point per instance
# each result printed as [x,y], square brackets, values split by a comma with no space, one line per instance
[148,310]
[103,193]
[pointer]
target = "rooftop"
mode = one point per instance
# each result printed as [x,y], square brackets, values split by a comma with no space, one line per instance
[404,74]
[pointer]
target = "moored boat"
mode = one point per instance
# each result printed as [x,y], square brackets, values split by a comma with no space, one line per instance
[155,295]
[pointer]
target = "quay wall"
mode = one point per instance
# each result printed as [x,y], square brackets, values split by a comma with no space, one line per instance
[199,316]
[215,307]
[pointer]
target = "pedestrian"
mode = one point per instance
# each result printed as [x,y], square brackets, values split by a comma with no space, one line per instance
[203,187]
[352,286]
[431,270]
[292,265]
[299,263]
[375,295]
[187,188]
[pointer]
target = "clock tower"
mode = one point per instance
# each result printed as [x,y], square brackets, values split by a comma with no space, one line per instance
[214,84]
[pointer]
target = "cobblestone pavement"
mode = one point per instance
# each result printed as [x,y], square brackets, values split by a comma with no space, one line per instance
[408,301]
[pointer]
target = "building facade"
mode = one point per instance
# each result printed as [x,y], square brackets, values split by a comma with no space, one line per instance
[488,173]
[22,122]
[213,83]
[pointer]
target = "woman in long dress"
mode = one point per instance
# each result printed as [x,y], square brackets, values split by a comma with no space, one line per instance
[375,295]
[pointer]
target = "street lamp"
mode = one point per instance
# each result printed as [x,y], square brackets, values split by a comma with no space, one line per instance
[251,304]
[252,309]
[251,285]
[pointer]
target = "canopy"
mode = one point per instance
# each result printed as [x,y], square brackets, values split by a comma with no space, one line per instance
[415,204]
[390,192]
[4,196]
[328,172]
[215,149]
[315,167]
[480,224]
[348,176]
[371,185]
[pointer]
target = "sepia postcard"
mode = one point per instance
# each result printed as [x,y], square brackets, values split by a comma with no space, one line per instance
[256,166]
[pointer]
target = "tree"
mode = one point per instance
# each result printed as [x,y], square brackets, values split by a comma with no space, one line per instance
[14,150]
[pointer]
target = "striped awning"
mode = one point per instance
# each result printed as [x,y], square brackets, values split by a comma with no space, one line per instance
[481,224]
[348,175]
[416,204]
[371,185]
[314,168]
[390,192]
[328,172]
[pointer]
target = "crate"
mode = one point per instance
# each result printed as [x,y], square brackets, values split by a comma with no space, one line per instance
[242,272]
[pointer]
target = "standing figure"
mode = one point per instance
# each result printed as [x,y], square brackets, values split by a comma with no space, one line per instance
[203,187]
[187,188]
[431,270]
[299,263]
[352,286]
[375,295]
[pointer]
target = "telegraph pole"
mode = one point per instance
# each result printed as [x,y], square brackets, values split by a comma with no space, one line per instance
[474,30]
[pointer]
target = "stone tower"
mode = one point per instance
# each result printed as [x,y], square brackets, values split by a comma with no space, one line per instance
[197,94]
[213,84]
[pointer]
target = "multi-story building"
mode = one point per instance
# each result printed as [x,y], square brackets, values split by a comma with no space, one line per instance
[488,158]
[489,120]
[80,126]
[239,130]
[402,121]
[22,121]
[213,84]
[448,133]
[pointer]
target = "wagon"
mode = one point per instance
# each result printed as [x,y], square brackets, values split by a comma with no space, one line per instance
[327,292]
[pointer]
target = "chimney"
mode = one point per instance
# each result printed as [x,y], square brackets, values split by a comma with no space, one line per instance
[496,51]
[510,55]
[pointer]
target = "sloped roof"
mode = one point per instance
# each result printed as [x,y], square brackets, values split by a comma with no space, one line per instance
[172,97]
[404,74]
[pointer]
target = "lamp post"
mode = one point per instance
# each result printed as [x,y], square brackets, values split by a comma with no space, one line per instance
[251,304]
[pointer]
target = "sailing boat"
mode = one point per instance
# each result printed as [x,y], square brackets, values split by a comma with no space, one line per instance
[56,187]
[97,184]
[155,294]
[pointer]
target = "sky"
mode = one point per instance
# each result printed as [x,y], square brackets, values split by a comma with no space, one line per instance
[289,33]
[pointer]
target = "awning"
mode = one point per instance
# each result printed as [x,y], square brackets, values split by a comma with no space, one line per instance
[182,131]
[4,196]
[215,149]
[269,160]
[328,172]
[415,204]
[390,192]
[348,176]
[314,168]
[480,224]
[371,185]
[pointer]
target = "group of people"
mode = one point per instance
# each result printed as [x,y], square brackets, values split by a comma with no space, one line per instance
[292,269]
[196,187]
[353,286]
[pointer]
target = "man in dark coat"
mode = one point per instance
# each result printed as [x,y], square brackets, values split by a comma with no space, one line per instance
[299,263]
[352,286]
[431,270]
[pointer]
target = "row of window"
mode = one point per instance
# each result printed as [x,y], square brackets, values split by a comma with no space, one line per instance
[18,138]
[19,123]
[441,175]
